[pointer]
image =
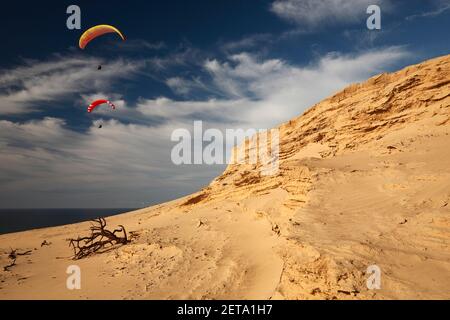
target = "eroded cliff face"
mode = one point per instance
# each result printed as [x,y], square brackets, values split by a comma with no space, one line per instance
[356,119]
[364,178]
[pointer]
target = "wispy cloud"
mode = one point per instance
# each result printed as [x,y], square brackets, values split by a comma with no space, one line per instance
[185,87]
[184,56]
[119,166]
[441,7]
[25,89]
[137,45]
[318,13]
[262,93]
[249,42]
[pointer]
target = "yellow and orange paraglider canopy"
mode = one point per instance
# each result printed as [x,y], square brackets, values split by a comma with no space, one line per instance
[97,31]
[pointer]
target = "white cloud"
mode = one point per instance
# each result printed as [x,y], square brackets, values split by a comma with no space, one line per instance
[319,13]
[219,112]
[184,87]
[263,93]
[441,6]
[232,77]
[184,56]
[24,89]
[118,166]
[248,42]
[179,85]
[138,45]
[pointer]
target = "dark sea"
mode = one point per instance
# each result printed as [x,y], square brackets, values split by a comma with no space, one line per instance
[15,220]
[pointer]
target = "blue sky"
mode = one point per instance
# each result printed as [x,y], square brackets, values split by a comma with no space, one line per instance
[232,64]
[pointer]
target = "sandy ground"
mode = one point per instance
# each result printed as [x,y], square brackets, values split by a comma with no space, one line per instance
[178,254]
[364,180]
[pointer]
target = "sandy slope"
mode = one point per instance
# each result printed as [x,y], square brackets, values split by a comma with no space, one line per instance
[364,179]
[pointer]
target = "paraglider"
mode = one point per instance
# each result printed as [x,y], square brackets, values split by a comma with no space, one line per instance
[96,32]
[97,103]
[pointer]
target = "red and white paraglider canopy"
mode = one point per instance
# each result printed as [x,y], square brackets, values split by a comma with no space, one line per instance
[97,103]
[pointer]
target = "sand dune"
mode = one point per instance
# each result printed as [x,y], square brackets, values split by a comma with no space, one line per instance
[364,180]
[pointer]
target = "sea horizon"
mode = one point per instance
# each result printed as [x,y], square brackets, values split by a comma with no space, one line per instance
[18,220]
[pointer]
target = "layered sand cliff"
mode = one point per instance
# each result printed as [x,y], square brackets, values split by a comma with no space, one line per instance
[364,179]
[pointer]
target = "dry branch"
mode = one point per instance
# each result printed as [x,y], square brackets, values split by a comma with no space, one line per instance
[99,239]
[13,256]
[45,243]
[6,268]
